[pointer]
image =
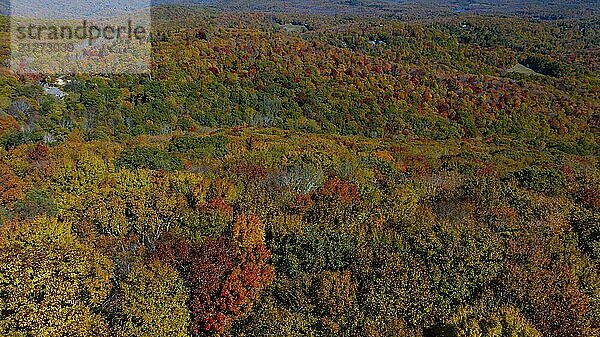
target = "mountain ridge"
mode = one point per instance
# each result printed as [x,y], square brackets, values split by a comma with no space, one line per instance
[536,9]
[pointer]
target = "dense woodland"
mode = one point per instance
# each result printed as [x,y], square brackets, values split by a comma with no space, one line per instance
[309,175]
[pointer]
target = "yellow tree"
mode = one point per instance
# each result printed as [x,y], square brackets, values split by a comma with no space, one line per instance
[51,283]
[152,302]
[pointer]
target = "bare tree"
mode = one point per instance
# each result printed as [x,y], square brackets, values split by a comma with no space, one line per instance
[21,109]
[49,138]
[301,179]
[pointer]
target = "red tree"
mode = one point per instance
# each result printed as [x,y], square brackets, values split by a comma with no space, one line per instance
[224,279]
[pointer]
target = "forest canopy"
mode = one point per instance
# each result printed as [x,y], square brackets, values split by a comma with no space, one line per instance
[309,174]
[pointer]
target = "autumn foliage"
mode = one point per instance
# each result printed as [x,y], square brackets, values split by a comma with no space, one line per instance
[304,175]
[224,278]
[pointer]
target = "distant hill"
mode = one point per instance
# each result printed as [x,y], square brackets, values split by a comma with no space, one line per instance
[4,7]
[537,9]
[66,9]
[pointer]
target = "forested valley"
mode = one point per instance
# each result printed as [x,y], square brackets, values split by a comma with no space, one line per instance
[309,175]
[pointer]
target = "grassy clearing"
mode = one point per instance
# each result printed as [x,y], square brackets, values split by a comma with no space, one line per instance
[521,69]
